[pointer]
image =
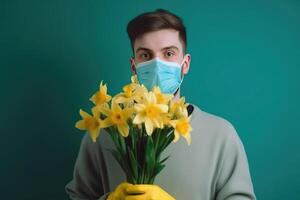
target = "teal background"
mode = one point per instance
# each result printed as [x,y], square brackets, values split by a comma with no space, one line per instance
[53,54]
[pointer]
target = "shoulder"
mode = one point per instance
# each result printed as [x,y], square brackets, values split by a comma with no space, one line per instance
[87,145]
[216,127]
[219,135]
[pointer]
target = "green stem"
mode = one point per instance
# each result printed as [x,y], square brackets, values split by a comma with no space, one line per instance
[157,141]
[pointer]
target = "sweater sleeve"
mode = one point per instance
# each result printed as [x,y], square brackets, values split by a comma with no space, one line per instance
[89,176]
[234,182]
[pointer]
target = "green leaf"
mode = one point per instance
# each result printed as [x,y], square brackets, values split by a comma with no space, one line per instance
[123,164]
[141,149]
[169,139]
[163,160]
[115,140]
[134,164]
[122,143]
[157,170]
[150,156]
[164,140]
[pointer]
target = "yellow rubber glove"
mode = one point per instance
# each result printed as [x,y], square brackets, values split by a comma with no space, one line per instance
[120,192]
[146,192]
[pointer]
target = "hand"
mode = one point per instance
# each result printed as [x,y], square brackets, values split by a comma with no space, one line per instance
[120,192]
[146,192]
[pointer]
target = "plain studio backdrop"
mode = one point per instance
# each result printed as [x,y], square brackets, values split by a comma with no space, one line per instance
[53,54]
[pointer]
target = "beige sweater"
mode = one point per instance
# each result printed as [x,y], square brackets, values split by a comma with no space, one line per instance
[214,166]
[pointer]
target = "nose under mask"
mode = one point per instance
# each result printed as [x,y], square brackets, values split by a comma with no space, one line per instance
[156,72]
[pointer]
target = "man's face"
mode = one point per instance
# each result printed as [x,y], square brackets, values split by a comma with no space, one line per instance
[164,44]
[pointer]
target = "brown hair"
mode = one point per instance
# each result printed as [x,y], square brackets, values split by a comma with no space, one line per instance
[154,21]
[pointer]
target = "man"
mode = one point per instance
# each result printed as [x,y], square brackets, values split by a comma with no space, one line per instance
[214,166]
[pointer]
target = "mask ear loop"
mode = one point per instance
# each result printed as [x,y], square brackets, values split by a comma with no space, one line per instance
[180,75]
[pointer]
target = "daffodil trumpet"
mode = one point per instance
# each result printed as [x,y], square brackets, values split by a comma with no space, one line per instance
[141,123]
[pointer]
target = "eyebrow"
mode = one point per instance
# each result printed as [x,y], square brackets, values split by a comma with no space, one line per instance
[142,49]
[162,49]
[170,47]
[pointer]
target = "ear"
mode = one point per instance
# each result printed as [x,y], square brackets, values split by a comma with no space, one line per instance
[186,64]
[132,64]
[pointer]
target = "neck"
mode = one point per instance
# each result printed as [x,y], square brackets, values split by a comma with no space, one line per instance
[177,95]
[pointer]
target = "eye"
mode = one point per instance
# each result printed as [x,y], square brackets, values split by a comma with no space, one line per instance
[169,54]
[144,56]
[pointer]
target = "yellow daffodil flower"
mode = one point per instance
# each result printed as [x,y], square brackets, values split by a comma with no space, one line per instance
[139,92]
[132,92]
[101,97]
[128,95]
[139,112]
[117,116]
[178,108]
[160,97]
[150,112]
[182,127]
[91,123]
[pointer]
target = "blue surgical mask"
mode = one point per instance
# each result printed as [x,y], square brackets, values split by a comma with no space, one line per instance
[156,72]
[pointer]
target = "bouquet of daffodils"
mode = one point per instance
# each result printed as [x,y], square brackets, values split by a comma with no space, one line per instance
[141,124]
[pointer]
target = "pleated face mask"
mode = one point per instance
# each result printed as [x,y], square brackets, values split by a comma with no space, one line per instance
[156,72]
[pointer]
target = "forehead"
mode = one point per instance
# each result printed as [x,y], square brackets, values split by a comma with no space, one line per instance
[157,40]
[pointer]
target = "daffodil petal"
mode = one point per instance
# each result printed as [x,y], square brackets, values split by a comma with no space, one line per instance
[83,114]
[104,110]
[94,134]
[123,129]
[121,99]
[188,138]
[161,123]
[162,107]
[156,123]
[96,112]
[152,98]
[185,112]
[114,104]
[138,119]
[101,84]
[176,136]
[108,97]
[173,123]
[93,99]
[106,123]
[80,125]
[134,78]
[103,88]
[169,96]
[149,126]
[139,107]
[128,112]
